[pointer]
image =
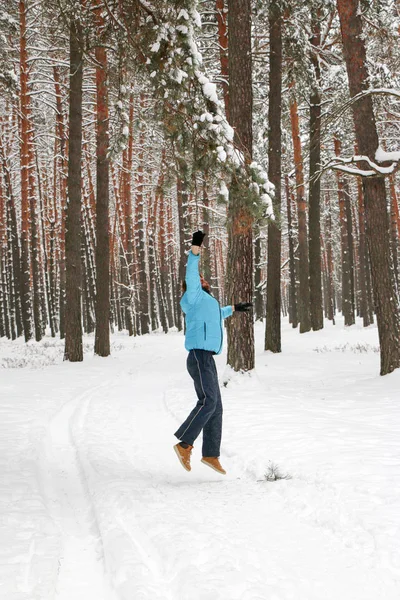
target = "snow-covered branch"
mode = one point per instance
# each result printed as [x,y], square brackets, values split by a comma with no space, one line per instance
[354,164]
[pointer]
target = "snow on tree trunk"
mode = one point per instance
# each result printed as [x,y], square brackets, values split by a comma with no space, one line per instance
[240,227]
[141,238]
[12,241]
[303,304]
[223,51]
[292,267]
[102,333]
[347,266]
[330,285]
[73,326]
[314,230]
[273,315]
[128,215]
[376,213]
[61,174]
[24,160]
[395,225]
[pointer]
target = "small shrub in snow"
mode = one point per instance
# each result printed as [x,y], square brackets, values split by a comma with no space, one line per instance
[273,473]
[37,355]
[354,348]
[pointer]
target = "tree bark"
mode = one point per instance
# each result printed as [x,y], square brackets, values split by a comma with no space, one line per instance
[345,243]
[223,51]
[377,219]
[35,245]
[127,203]
[395,225]
[330,287]
[13,241]
[273,316]
[259,292]
[184,230]
[350,245]
[141,242]
[24,158]
[292,267]
[303,303]
[73,326]
[366,312]
[102,334]
[62,174]
[314,231]
[240,227]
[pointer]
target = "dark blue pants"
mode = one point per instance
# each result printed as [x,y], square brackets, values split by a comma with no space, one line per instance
[207,414]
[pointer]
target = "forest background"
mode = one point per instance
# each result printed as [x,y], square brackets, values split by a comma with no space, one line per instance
[125,125]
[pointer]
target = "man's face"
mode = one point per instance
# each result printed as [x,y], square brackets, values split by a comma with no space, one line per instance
[204,284]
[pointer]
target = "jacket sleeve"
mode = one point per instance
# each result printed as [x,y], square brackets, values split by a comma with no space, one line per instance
[226,311]
[192,278]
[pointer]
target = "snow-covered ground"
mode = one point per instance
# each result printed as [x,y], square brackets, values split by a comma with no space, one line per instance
[95,506]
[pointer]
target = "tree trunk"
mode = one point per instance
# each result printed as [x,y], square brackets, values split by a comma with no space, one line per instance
[395,224]
[5,296]
[240,224]
[163,252]
[73,326]
[184,230]
[206,258]
[317,320]
[346,258]
[303,269]
[46,221]
[102,335]
[128,214]
[377,220]
[259,295]
[350,245]
[89,278]
[292,267]
[62,163]
[159,256]
[141,254]
[35,245]
[24,158]
[223,51]
[330,291]
[273,316]
[366,313]
[13,242]
[154,301]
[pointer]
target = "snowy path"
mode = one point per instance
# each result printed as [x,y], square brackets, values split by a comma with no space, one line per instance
[81,568]
[119,519]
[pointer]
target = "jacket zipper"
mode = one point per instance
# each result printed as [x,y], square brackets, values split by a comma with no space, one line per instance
[220,323]
[205,331]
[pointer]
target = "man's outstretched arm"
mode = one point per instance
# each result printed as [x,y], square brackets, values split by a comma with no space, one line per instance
[192,278]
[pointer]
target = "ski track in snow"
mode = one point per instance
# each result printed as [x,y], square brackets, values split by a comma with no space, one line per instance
[126,522]
[64,488]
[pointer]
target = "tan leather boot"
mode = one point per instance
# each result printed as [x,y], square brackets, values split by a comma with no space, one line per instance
[184,456]
[214,463]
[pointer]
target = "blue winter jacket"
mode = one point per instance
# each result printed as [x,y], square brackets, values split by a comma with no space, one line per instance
[204,315]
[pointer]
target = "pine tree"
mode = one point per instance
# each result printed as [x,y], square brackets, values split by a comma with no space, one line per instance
[73,325]
[273,316]
[240,228]
[314,231]
[102,334]
[377,221]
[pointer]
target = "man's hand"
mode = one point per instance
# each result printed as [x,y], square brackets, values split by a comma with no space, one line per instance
[197,241]
[198,238]
[243,306]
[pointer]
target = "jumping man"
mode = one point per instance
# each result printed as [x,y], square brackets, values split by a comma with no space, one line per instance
[204,337]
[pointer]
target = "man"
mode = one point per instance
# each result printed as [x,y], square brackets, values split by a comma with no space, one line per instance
[204,337]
